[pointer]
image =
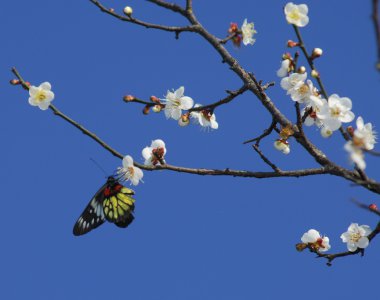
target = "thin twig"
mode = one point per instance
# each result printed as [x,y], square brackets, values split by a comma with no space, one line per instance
[376,24]
[231,96]
[265,159]
[266,132]
[133,20]
[331,257]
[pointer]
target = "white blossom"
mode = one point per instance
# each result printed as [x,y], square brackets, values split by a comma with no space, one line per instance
[205,118]
[130,172]
[302,91]
[248,31]
[296,14]
[356,155]
[284,69]
[175,102]
[313,237]
[315,104]
[364,136]
[288,83]
[41,96]
[356,237]
[155,153]
[336,111]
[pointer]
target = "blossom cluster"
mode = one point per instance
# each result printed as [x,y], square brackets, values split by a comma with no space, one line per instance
[327,113]
[175,102]
[153,155]
[245,33]
[355,237]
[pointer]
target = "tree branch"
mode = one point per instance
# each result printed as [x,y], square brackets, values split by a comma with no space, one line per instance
[331,257]
[376,24]
[231,96]
[265,159]
[266,132]
[130,19]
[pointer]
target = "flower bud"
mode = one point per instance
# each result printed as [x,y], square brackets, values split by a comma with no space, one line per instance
[111,10]
[292,44]
[146,110]
[372,206]
[282,145]
[315,74]
[317,52]
[154,99]
[350,130]
[301,70]
[156,108]
[326,132]
[128,10]
[184,120]
[233,28]
[287,56]
[129,98]
[14,81]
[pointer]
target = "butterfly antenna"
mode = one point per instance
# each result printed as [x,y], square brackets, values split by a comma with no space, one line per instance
[99,166]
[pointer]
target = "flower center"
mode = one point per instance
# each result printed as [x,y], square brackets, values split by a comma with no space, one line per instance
[319,242]
[206,114]
[304,89]
[295,15]
[131,171]
[355,237]
[335,112]
[41,96]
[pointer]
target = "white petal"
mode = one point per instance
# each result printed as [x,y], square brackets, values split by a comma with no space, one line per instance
[332,123]
[360,123]
[346,102]
[176,113]
[127,161]
[345,237]
[157,144]
[352,247]
[179,93]
[363,242]
[46,86]
[186,102]
[44,105]
[32,101]
[33,90]
[311,236]
[49,96]
[353,228]
[147,153]
[347,117]
[365,230]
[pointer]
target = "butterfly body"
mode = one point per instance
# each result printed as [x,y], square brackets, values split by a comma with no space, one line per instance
[112,202]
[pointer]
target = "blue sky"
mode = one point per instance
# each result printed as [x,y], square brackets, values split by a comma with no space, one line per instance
[193,237]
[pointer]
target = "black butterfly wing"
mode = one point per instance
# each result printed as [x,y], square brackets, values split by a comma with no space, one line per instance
[93,215]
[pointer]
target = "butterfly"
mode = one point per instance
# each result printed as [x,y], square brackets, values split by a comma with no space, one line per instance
[112,202]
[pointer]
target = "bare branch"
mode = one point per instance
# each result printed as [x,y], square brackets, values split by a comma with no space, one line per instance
[171,6]
[266,132]
[376,24]
[231,96]
[331,257]
[130,19]
[265,159]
